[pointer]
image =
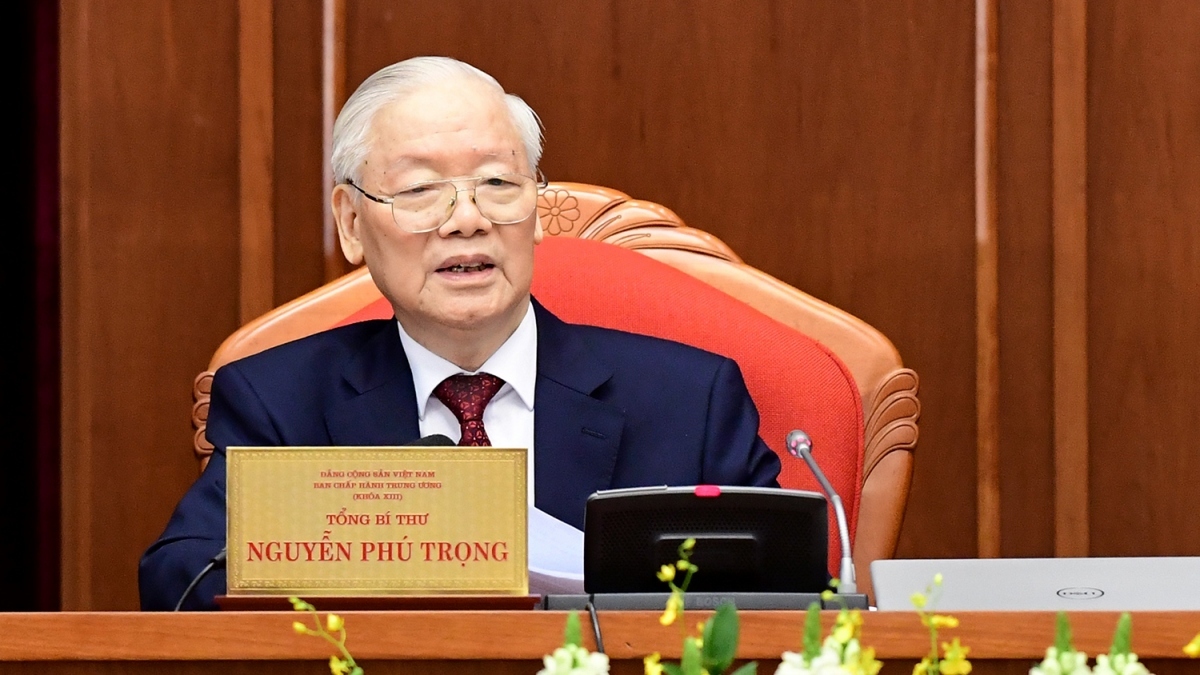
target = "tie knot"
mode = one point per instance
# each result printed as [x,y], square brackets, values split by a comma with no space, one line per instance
[467,395]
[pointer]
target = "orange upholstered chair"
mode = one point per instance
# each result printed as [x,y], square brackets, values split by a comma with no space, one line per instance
[633,265]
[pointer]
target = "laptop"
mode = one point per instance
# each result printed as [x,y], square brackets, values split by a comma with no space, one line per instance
[1042,584]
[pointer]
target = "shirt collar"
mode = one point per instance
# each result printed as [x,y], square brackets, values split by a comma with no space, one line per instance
[515,362]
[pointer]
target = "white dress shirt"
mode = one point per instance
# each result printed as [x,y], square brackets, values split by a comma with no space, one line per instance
[508,418]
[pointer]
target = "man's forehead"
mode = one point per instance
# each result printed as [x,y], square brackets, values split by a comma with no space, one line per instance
[414,159]
[418,129]
[446,107]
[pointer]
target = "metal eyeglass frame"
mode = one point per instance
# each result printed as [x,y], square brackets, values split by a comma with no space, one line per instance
[540,182]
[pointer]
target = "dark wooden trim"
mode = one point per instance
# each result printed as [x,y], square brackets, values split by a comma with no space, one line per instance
[256,157]
[385,603]
[987,288]
[1069,162]
[76,299]
[333,96]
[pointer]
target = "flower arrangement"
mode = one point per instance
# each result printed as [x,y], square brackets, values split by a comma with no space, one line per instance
[953,659]
[714,650]
[341,663]
[573,658]
[1064,659]
[841,653]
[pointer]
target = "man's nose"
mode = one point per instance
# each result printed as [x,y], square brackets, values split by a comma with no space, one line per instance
[465,217]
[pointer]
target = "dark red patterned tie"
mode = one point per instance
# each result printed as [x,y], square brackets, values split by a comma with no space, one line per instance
[466,396]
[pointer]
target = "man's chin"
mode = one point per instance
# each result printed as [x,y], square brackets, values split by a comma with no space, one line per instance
[473,317]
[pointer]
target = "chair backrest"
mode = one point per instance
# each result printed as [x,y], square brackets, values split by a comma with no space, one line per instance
[807,364]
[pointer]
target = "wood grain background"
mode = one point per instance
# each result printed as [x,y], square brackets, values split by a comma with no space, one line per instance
[831,144]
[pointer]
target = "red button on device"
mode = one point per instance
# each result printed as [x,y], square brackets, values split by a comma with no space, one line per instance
[707,491]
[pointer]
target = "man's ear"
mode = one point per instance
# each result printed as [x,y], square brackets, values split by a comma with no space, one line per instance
[538,234]
[349,225]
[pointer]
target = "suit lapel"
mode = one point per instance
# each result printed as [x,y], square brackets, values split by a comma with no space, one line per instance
[382,410]
[576,436]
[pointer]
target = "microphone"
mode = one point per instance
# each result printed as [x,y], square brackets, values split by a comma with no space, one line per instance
[432,439]
[800,445]
[217,560]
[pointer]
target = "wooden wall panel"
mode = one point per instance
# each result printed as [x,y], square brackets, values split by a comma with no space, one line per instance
[256,158]
[299,179]
[1144,262]
[149,267]
[987,278]
[1026,302]
[830,144]
[1070,232]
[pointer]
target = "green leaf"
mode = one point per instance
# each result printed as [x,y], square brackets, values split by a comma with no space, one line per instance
[721,638]
[748,669]
[812,631]
[573,634]
[1123,638]
[691,661]
[1062,634]
[672,668]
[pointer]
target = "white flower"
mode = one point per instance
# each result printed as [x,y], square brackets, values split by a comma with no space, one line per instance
[1121,664]
[574,660]
[827,662]
[1066,663]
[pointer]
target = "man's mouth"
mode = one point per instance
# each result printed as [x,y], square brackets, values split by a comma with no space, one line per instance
[461,269]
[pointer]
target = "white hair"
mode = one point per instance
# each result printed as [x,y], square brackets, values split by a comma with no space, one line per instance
[393,83]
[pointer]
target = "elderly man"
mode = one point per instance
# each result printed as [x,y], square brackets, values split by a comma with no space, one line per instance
[437,194]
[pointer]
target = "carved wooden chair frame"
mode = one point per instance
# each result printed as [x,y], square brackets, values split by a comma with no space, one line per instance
[888,390]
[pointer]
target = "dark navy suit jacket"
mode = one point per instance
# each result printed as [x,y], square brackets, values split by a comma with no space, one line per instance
[611,410]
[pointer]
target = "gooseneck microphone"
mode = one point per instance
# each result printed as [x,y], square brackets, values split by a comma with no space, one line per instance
[217,560]
[800,445]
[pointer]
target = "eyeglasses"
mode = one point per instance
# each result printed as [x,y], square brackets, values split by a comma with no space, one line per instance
[424,207]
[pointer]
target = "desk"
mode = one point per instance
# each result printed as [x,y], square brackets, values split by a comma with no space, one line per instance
[262,643]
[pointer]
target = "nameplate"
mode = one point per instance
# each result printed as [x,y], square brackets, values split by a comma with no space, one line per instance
[376,521]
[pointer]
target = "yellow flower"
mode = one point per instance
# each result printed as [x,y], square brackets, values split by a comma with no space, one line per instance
[919,600]
[652,666]
[338,666]
[299,627]
[846,626]
[956,662]
[866,663]
[334,623]
[923,668]
[689,543]
[939,621]
[674,604]
[937,579]
[1193,648]
[666,573]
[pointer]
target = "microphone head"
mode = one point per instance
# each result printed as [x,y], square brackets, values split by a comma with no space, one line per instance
[432,439]
[797,440]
